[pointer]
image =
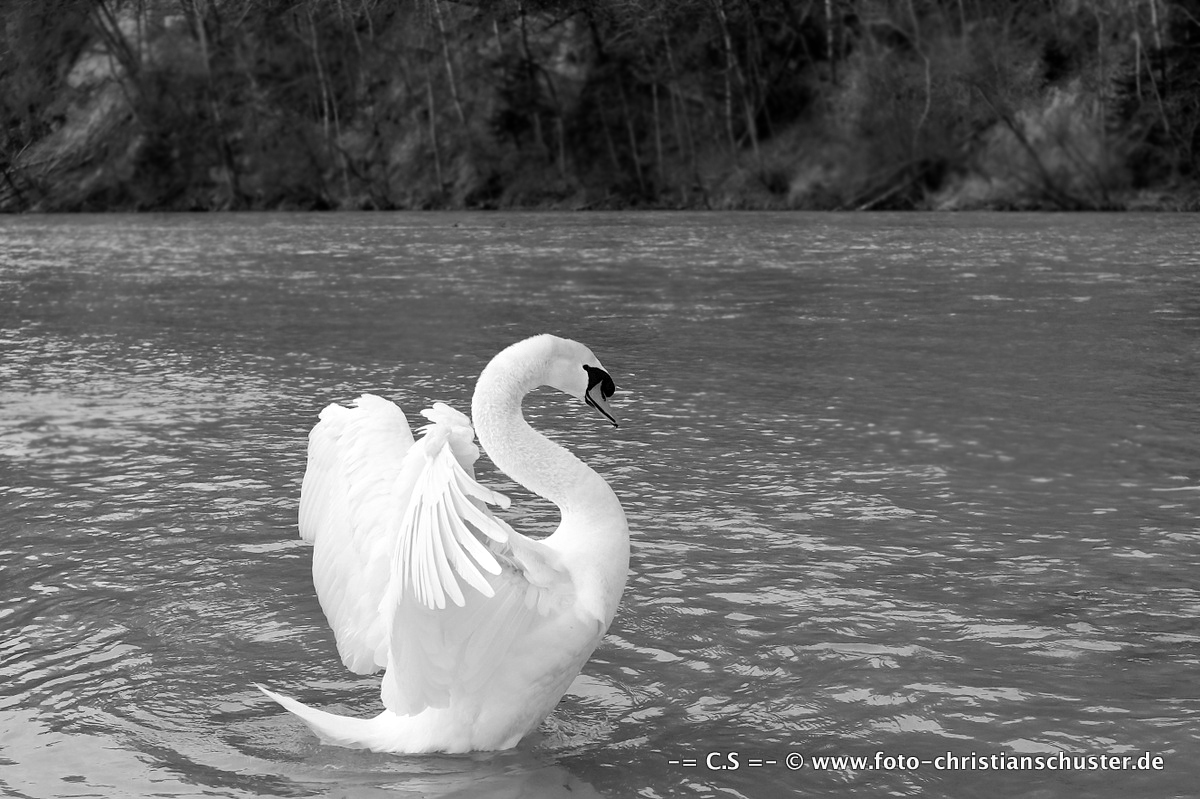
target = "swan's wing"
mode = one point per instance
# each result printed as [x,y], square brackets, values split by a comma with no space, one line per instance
[348,502]
[436,652]
[465,586]
[413,571]
[445,525]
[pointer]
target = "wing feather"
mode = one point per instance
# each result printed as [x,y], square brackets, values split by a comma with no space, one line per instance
[446,556]
[439,646]
[346,501]
[439,535]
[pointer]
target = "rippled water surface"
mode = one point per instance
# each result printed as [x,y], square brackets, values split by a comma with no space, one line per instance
[916,485]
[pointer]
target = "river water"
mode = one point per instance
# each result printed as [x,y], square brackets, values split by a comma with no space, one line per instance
[919,489]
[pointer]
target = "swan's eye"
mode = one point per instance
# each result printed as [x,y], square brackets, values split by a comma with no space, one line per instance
[601,378]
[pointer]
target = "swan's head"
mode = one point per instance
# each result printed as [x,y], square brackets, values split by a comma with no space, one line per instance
[575,370]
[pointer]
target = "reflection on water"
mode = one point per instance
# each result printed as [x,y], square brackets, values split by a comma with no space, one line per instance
[905,484]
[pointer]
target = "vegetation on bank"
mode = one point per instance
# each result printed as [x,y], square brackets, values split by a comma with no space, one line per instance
[840,104]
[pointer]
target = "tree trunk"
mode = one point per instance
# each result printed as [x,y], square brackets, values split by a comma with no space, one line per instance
[733,65]
[437,13]
[830,53]
[728,75]
[433,135]
[633,144]
[658,142]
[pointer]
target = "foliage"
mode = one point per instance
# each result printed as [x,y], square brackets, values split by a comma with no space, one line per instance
[209,104]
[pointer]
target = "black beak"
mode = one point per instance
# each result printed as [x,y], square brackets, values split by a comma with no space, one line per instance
[600,388]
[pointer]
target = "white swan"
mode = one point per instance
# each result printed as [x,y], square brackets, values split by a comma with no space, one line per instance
[480,629]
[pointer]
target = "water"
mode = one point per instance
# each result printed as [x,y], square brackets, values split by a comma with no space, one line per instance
[916,485]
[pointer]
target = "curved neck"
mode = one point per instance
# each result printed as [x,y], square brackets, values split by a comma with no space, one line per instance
[528,457]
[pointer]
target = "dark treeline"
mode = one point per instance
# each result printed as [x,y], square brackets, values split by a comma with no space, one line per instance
[238,104]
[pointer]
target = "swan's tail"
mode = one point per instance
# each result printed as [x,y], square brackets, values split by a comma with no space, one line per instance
[330,728]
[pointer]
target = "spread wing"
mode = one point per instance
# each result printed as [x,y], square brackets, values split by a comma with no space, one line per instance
[413,570]
[349,493]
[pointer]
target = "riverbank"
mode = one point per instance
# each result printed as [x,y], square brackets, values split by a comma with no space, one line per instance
[849,105]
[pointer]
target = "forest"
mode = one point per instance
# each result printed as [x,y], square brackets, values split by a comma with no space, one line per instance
[592,104]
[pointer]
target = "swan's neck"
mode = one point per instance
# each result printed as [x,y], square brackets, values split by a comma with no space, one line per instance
[593,538]
[527,456]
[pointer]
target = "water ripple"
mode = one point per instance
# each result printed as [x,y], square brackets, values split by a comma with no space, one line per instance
[901,484]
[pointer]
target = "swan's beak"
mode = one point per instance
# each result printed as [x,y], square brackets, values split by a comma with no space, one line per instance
[594,398]
[600,388]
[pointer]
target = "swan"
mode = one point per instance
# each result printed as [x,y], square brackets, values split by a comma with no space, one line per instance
[478,628]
